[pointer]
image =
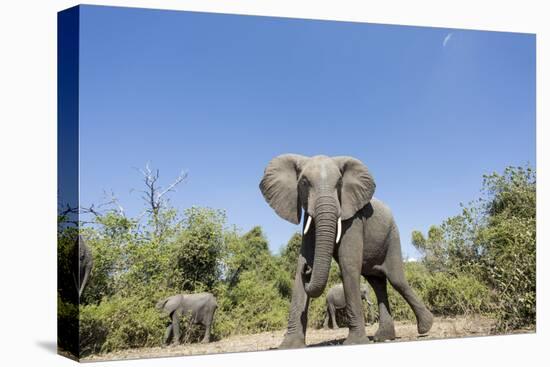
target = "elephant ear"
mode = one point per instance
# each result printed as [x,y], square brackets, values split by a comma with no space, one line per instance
[357,185]
[279,186]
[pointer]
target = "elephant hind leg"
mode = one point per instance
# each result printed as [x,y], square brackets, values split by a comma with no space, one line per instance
[386,329]
[208,326]
[393,268]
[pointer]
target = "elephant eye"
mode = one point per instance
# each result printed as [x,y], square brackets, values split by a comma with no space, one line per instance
[339,183]
[304,182]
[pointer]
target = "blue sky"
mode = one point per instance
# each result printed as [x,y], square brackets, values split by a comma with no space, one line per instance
[429,110]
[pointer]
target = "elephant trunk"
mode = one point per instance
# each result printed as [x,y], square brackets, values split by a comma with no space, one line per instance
[325,233]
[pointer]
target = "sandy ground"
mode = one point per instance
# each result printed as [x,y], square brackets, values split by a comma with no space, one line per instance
[442,328]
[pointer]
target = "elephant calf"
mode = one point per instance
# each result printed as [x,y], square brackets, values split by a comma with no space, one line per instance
[200,307]
[336,300]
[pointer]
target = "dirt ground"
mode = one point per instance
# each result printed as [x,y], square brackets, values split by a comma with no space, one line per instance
[442,328]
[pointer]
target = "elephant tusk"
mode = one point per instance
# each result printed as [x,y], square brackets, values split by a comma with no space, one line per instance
[308,223]
[339,233]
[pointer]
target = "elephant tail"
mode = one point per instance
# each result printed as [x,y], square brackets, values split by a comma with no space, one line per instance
[161,303]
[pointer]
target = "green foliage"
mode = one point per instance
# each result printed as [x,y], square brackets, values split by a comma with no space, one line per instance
[135,266]
[199,249]
[120,323]
[510,269]
[494,242]
[251,306]
[431,247]
[67,288]
[245,253]
[289,253]
[255,295]
[67,324]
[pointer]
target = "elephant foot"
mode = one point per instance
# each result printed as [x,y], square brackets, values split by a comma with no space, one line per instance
[359,338]
[383,334]
[293,342]
[425,323]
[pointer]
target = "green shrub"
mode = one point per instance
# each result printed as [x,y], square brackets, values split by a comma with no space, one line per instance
[510,267]
[120,323]
[492,241]
[67,324]
[256,307]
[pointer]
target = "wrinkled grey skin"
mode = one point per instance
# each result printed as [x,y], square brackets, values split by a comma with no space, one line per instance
[336,300]
[199,306]
[85,264]
[328,188]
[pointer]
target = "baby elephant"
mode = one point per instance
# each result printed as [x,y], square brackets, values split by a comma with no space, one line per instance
[200,307]
[337,301]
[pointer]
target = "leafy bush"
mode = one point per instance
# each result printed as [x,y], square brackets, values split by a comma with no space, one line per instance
[199,249]
[120,323]
[255,296]
[67,324]
[510,267]
[67,288]
[258,307]
[493,241]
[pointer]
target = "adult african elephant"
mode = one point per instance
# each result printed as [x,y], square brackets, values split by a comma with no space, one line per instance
[200,307]
[85,264]
[336,300]
[344,221]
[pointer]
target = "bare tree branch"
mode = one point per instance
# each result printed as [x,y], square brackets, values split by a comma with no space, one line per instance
[172,186]
[96,211]
[154,194]
[112,200]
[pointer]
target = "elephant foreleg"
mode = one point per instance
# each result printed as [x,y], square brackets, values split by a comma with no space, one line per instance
[295,336]
[350,260]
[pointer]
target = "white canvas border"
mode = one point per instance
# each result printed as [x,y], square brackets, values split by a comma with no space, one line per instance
[28,151]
